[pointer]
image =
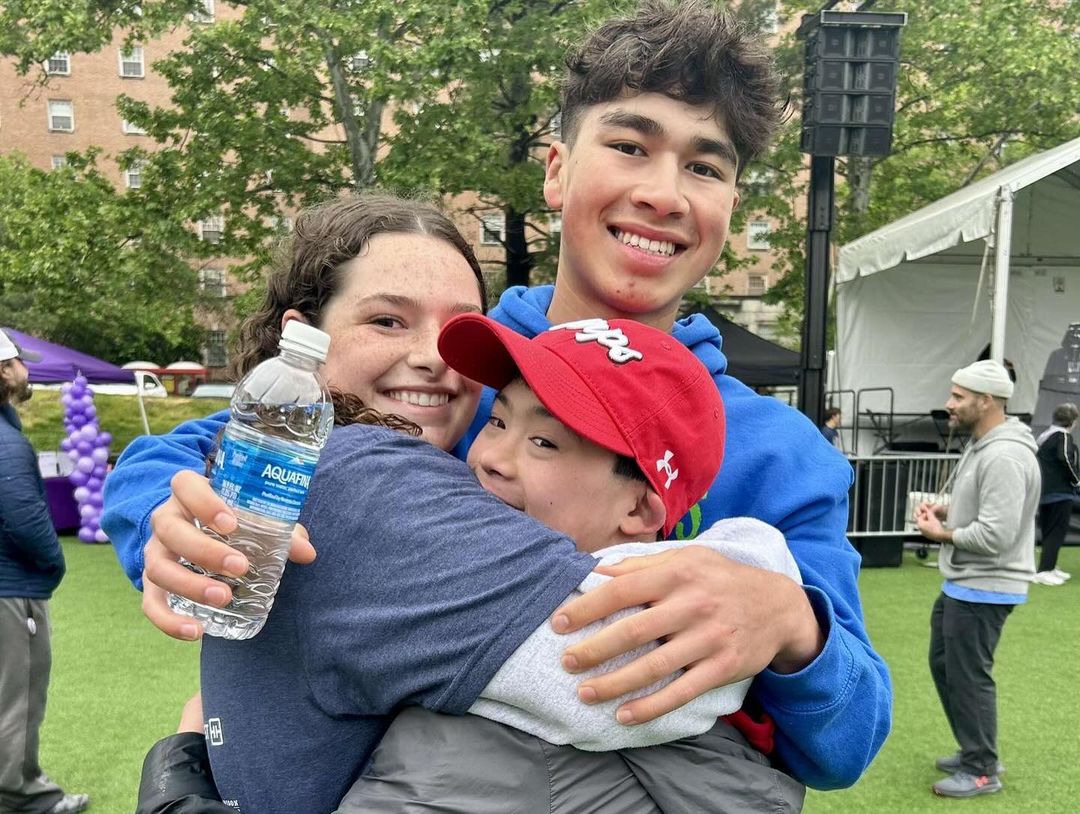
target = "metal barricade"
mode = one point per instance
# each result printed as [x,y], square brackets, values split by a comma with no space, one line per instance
[887,488]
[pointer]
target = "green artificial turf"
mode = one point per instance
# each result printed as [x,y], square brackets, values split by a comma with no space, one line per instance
[1037,664]
[43,417]
[118,685]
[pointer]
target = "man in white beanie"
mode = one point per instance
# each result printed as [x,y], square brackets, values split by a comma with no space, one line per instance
[987,537]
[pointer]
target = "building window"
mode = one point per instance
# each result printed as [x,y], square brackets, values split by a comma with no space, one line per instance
[491,230]
[210,229]
[133,129]
[204,14]
[771,20]
[755,285]
[359,62]
[556,125]
[759,182]
[131,63]
[212,282]
[59,162]
[555,223]
[61,116]
[282,224]
[215,349]
[757,235]
[133,174]
[59,64]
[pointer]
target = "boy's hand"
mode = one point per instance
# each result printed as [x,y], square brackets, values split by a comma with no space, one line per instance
[175,535]
[719,620]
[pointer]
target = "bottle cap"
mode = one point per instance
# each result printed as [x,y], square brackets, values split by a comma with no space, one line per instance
[306,339]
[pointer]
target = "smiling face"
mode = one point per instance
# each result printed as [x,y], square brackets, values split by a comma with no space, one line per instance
[532,461]
[383,325]
[646,193]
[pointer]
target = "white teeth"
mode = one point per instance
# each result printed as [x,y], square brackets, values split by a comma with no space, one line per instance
[418,399]
[662,247]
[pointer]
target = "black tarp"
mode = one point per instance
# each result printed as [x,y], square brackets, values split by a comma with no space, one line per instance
[754,361]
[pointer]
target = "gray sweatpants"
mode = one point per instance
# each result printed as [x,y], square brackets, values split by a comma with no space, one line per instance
[25,662]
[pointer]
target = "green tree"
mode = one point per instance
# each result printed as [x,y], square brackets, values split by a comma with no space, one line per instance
[981,85]
[488,129]
[113,281]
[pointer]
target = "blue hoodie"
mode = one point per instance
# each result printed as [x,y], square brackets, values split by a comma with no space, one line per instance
[833,716]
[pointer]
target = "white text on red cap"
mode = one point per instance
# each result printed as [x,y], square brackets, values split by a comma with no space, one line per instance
[598,330]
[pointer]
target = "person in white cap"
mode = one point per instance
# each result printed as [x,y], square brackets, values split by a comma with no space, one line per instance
[31,566]
[987,536]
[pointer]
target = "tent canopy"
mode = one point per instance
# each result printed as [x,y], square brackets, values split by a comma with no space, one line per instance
[62,364]
[754,361]
[914,298]
[968,215]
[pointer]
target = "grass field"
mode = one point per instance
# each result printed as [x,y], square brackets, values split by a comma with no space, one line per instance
[118,685]
[43,416]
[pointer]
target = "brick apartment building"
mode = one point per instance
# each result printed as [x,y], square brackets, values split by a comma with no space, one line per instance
[75,109]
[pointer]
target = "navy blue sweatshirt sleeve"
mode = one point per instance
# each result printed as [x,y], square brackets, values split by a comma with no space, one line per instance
[423,585]
[29,540]
[140,482]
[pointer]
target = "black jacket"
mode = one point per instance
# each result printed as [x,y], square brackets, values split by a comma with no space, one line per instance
[1059,464]
[31,561]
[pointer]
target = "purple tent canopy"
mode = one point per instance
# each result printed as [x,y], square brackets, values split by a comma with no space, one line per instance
[60,364]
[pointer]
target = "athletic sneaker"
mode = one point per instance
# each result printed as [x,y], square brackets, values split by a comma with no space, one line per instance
[950,764]
[71,804]
[1047,578]
[1057,572]
[963,784]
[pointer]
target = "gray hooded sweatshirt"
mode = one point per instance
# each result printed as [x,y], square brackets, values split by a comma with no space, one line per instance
[992,513]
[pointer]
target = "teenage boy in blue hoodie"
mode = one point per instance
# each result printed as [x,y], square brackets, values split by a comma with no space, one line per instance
[661,113]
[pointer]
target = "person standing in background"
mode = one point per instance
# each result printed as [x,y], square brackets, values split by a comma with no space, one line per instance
[31,566]
[1059,463]
[987,537]
[830,429]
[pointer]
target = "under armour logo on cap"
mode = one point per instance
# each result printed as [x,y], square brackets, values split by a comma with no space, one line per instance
[664,465]
[598,330]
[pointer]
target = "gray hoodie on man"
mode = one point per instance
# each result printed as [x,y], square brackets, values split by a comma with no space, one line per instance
[992,513]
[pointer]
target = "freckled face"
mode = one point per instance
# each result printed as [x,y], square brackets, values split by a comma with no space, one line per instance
[384,324]
[646,193]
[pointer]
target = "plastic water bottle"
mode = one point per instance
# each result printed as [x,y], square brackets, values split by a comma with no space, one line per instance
[281,417]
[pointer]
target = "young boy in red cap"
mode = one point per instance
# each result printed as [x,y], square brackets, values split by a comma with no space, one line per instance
[609,432]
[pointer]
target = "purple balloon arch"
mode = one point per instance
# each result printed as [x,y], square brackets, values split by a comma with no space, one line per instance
[88,448]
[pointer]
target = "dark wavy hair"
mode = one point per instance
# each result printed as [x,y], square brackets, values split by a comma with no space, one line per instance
[691,51]
[308,273]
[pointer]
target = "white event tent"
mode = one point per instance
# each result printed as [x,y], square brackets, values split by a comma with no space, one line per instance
[995,263]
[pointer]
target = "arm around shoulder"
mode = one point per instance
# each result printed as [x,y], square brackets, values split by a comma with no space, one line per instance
[140,482]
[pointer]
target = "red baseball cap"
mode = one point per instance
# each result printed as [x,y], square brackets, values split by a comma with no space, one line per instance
[629,388]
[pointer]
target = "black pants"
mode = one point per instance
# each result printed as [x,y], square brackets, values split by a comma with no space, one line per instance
[1054,524]
[963,637]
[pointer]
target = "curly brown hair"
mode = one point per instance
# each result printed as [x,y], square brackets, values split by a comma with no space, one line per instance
[691,51]
[308,273]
